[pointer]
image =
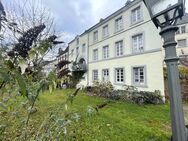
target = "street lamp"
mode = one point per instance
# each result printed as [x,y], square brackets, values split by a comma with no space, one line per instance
[164,14]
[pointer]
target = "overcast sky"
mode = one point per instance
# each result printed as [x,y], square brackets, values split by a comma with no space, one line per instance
[73,17]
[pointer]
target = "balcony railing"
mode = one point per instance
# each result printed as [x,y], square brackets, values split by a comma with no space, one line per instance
[79,67]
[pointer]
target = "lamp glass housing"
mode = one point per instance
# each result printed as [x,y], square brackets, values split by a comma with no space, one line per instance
[160,5]
[165,11]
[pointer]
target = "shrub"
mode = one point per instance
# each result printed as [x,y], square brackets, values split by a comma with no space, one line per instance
[102,88]
[144,97]
[130,93]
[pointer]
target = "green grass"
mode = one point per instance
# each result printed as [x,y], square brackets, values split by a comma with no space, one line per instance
[118,121]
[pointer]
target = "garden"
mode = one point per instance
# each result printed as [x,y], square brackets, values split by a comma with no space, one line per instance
[34,108]
[59,117]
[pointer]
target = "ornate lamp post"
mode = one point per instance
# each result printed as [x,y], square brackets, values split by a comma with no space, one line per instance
[164,14]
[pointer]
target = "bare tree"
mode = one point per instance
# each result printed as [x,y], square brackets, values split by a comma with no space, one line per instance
[23,18]
[25,14]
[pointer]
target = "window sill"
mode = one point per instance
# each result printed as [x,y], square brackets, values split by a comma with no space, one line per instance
[117,31]
[120,83]
[94,42]
[119,56]
[105,37]
[137,53]
[137,22]
[105,58]
[140,86]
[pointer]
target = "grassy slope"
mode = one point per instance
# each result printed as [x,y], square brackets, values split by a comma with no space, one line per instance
[118,121]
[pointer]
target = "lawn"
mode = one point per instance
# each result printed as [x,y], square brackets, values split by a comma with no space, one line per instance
[118,121]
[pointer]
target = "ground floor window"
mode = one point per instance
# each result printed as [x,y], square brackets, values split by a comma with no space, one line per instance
[119,75]
[105,75]
[95,75]
[139,76]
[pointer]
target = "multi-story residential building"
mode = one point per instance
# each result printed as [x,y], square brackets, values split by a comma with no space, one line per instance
[125,48]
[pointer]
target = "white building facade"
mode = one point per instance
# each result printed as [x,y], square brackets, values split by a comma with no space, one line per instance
[125,48]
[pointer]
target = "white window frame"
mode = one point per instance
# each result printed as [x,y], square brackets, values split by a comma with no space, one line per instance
[119,24]
[139,75]
[72,52]
[119,74]
[95,36]
[77,41]
[135,15]
[77,50]
[95,54]
[180,31]
[105,52]
[183,29]
[105,31]
[105,75]
[180,45]
[83,48]
[119,48]
[95,75]
[138,47]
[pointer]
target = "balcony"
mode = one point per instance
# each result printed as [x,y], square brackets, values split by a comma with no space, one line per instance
[79,67]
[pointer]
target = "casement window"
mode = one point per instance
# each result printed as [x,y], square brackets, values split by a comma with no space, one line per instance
[105,52]
[119,75]
[95,75]
[181,30]
[83,48]
[118,24]
[139,76]
[77,50]
[136,15]
[105,75]
[95,54]
[95,36]
[119,48]
[105,31]
[72,52]
[77,41]
[138,45]
[182,43]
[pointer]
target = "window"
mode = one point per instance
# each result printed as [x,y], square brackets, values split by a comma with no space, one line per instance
[105,52]
[77,50]
[136,15]
[95,75]
[183,29]
[138,43]
[182,43]
[72,51]
[119,48]
[105,31]
[119,73]
[83,48]
[178,31]
[95,54]
[77,41]
[95,36]
[105,75]
[119,24]
[139,76]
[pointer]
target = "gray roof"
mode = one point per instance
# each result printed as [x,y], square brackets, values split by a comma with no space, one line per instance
[183,20]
